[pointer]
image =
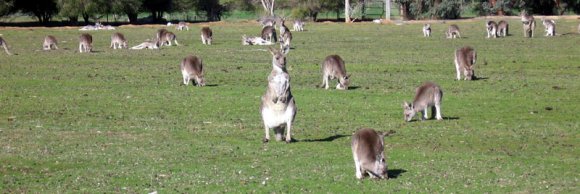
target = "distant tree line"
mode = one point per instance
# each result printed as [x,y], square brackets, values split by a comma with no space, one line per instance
[214,10]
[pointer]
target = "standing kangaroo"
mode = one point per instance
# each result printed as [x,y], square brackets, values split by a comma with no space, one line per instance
[85,43]
[269,33]
[181,26]
[427,95]
[491,28]
[298,25]
[192,68]
[4,45]
[333,67]
[118,41]
[278,108]
[49,43]
[502,28]
[465,58]
[453,32]
[285,34]
[529,24]
[368,153]
[206,35]
[550,26]
[426,30]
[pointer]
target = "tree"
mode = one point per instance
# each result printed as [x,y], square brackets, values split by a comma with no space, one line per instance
[268,6]
[129,7]
[6,7]
[157,7]
[43,10]
[88,9]
[212,9]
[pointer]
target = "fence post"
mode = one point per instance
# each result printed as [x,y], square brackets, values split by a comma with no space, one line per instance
[388,9]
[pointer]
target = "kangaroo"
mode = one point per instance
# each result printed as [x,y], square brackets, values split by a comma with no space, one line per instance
[453,32]
[269,34]
[85,43]
[298,25]
[255,41]
[267,21]
[502,28]
[427,30]
[285,34]
[368,153]
[529,24]
[181,26]
[118,41]
[149,44]
[4,45]
[333,67]
[491,28]
[550,26]
[465,58]
[427,95]
[278,108]
[165,37]
[49,43]
[192,68]
[206,35]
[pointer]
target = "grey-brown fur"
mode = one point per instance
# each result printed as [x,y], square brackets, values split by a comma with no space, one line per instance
[453,32]
[192,68]
[278,108]
[298,25]
[550,27]
[181,26]
[165,37]
[206,36]
[49,43]
[465,58]
[118,41]
[333,68]
[426,30]
[502,28]
[491,28]
[368,153]
[269,34]
[427,95]
[4,45]
[285,34]
[529,24]
[85,43]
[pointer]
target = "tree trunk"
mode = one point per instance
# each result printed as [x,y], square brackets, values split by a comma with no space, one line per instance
[132,17]
[405,11]
[347,11]
[86,18]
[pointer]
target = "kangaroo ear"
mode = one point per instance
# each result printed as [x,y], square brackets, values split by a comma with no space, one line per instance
[405,104]
[272,50]
[347,76]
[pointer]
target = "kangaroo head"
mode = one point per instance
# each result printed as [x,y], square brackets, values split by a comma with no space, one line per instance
[343,82]
[278,58]
[408,111]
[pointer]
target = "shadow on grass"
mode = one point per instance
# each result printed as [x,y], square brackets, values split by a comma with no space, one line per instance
[353,87]
[395,173]
[328,139]
[211,85]
[479,78]
[450,118]
[444,118]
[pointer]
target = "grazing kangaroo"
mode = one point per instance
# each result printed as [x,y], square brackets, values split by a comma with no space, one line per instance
[278,108]
[529,24]
[149,44]
[465,58]
[181,26]
[85,43]
[269,34]
[165,37]
[426,30]
[49,43]
[333,67]
[118,41]
[285,34]
[368,148]
[192,68]
[206,35]
[502,28]
[4,45]
[298,25]
[427,95]
[550,26]
[453,32]
[491,28]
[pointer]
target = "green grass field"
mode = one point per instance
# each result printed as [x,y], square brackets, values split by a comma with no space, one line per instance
[120,121]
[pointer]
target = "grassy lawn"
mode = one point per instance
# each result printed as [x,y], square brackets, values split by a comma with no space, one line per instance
[120,120]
